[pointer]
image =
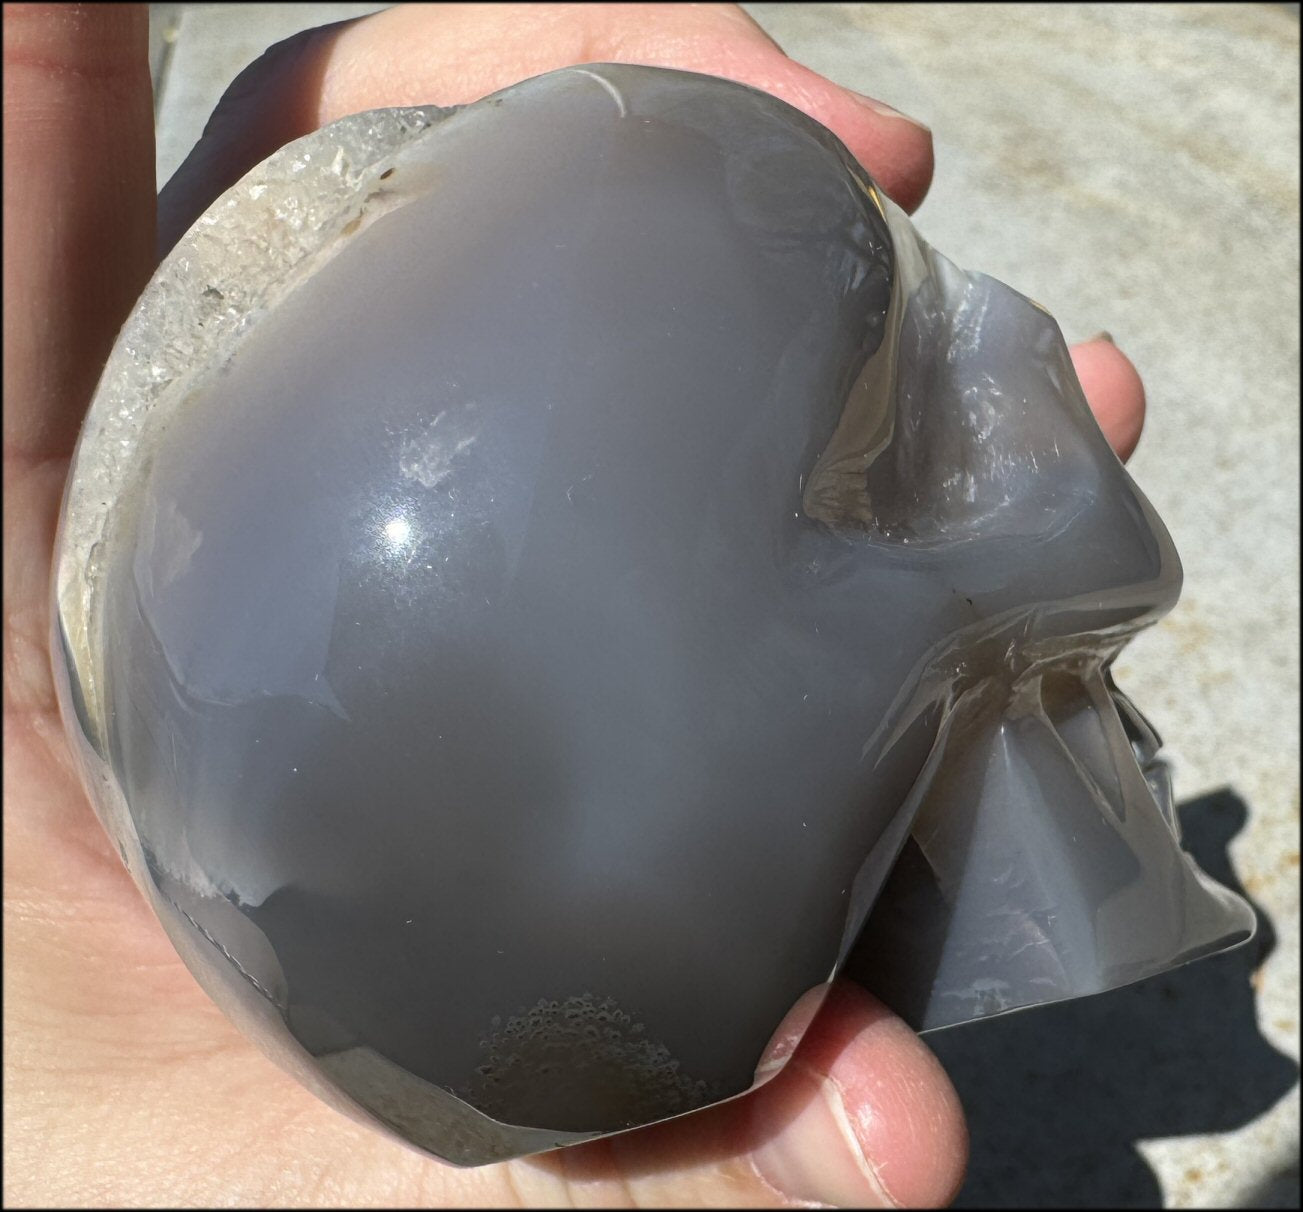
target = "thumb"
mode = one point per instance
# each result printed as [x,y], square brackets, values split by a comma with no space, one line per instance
[859,1114]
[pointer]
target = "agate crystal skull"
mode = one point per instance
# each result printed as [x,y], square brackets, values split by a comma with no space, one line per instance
[543,585]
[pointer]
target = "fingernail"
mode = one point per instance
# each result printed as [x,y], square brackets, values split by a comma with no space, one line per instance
[814,1156]
[1100,336]
[790,1032]
[884,110]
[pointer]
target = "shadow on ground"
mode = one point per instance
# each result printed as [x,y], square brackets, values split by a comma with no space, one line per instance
[1057,1097]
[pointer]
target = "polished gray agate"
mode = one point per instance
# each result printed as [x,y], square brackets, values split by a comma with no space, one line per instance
[545,584]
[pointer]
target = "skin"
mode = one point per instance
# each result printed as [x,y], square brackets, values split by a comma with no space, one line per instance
[124,1085]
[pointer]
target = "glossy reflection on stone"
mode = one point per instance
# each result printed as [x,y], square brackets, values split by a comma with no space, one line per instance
[537,576]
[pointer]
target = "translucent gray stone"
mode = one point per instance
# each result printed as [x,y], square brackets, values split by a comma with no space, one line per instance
[544,585]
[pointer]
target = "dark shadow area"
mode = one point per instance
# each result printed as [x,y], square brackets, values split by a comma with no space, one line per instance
[1057,1096]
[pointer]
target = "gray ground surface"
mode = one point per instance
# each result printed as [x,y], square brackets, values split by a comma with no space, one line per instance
[1135,169]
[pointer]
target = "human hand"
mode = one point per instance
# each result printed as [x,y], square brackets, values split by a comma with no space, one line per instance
[124,1084]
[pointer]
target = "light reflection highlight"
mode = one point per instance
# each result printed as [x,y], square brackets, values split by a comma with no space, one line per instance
[397,534]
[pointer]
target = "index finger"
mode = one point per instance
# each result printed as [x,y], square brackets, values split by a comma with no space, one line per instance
[452,54]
